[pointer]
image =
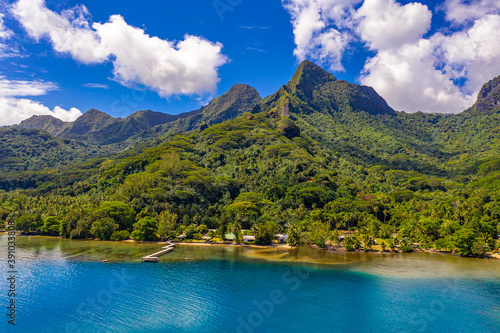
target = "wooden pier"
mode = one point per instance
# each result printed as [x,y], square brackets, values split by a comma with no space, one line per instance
[164,250]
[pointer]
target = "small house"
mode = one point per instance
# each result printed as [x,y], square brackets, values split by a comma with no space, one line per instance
[249,238]
[230,236]
[282,238]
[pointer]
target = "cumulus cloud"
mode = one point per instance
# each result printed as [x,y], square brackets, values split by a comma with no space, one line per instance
[186,67]
[460,11]
[69,32]
[411,70]
[385,24]
[316,25]
[474,53]
[189,66]
[14,109]
[407,79]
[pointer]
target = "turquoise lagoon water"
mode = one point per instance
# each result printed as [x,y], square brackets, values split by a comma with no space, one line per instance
[62,286]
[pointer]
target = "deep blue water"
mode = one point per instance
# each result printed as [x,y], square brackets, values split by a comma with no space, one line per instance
[240,296]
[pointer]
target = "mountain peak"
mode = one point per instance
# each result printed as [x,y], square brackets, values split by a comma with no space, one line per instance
[95,112]
[308,76]
[237,100]
[489,96]
[44,122]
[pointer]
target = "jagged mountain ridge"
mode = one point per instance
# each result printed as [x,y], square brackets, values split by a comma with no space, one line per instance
[97,127]
[352,120]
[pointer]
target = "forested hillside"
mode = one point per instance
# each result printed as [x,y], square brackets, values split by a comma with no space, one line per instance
[27,150]
[319,156]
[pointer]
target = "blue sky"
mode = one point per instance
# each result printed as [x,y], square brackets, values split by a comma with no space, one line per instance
[65,57]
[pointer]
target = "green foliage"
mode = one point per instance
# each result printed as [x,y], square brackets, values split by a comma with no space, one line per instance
[319,156]
[34,149]
[51,226]
[294,234]
[104,228]
[120,235]
[264,233]
[120,212]
[319,233]
[463,240]
[145,230]
[28,223]
[202,229]
[190,231]
[352,243]
[166,223]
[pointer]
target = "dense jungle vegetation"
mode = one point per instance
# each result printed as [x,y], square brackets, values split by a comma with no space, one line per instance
[317,159]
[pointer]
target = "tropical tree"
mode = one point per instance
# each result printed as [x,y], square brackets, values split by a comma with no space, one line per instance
[294,232]
[166,223]
[120,212]
[352,243]
[104,228]
[264,233]
[145,230]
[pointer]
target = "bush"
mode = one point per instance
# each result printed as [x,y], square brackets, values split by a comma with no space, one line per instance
[202,229]
[120,235]
[104,228]
[145,230]
[352,243]
[190,231]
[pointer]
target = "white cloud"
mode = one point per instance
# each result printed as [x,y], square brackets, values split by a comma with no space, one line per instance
[253,27]
[189,66]
[6,50]
[473,53]
[24,88]
[186,67]
[407,79]
[13,109]
[4,31]
[460,11]
[69,32]
[95,85]
[316,25]
[385,24]
[410,70]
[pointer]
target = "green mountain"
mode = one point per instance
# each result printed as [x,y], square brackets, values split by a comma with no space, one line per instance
[489,97]
[95,133]
[46,123]
[239,99]
[31,149]
[97,127]
[318,156]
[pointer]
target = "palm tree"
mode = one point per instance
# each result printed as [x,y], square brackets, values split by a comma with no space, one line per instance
[235,228]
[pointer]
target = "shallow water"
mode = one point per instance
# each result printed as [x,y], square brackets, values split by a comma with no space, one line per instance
[63,286]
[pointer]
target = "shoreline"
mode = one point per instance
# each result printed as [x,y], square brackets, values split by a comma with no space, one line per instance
[334,249]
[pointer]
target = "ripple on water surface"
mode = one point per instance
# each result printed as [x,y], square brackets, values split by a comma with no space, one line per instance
[63,287]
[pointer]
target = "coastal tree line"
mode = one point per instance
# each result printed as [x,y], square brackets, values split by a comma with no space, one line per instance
[259,173]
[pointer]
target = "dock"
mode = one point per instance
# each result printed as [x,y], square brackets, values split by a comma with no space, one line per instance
[164,250]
